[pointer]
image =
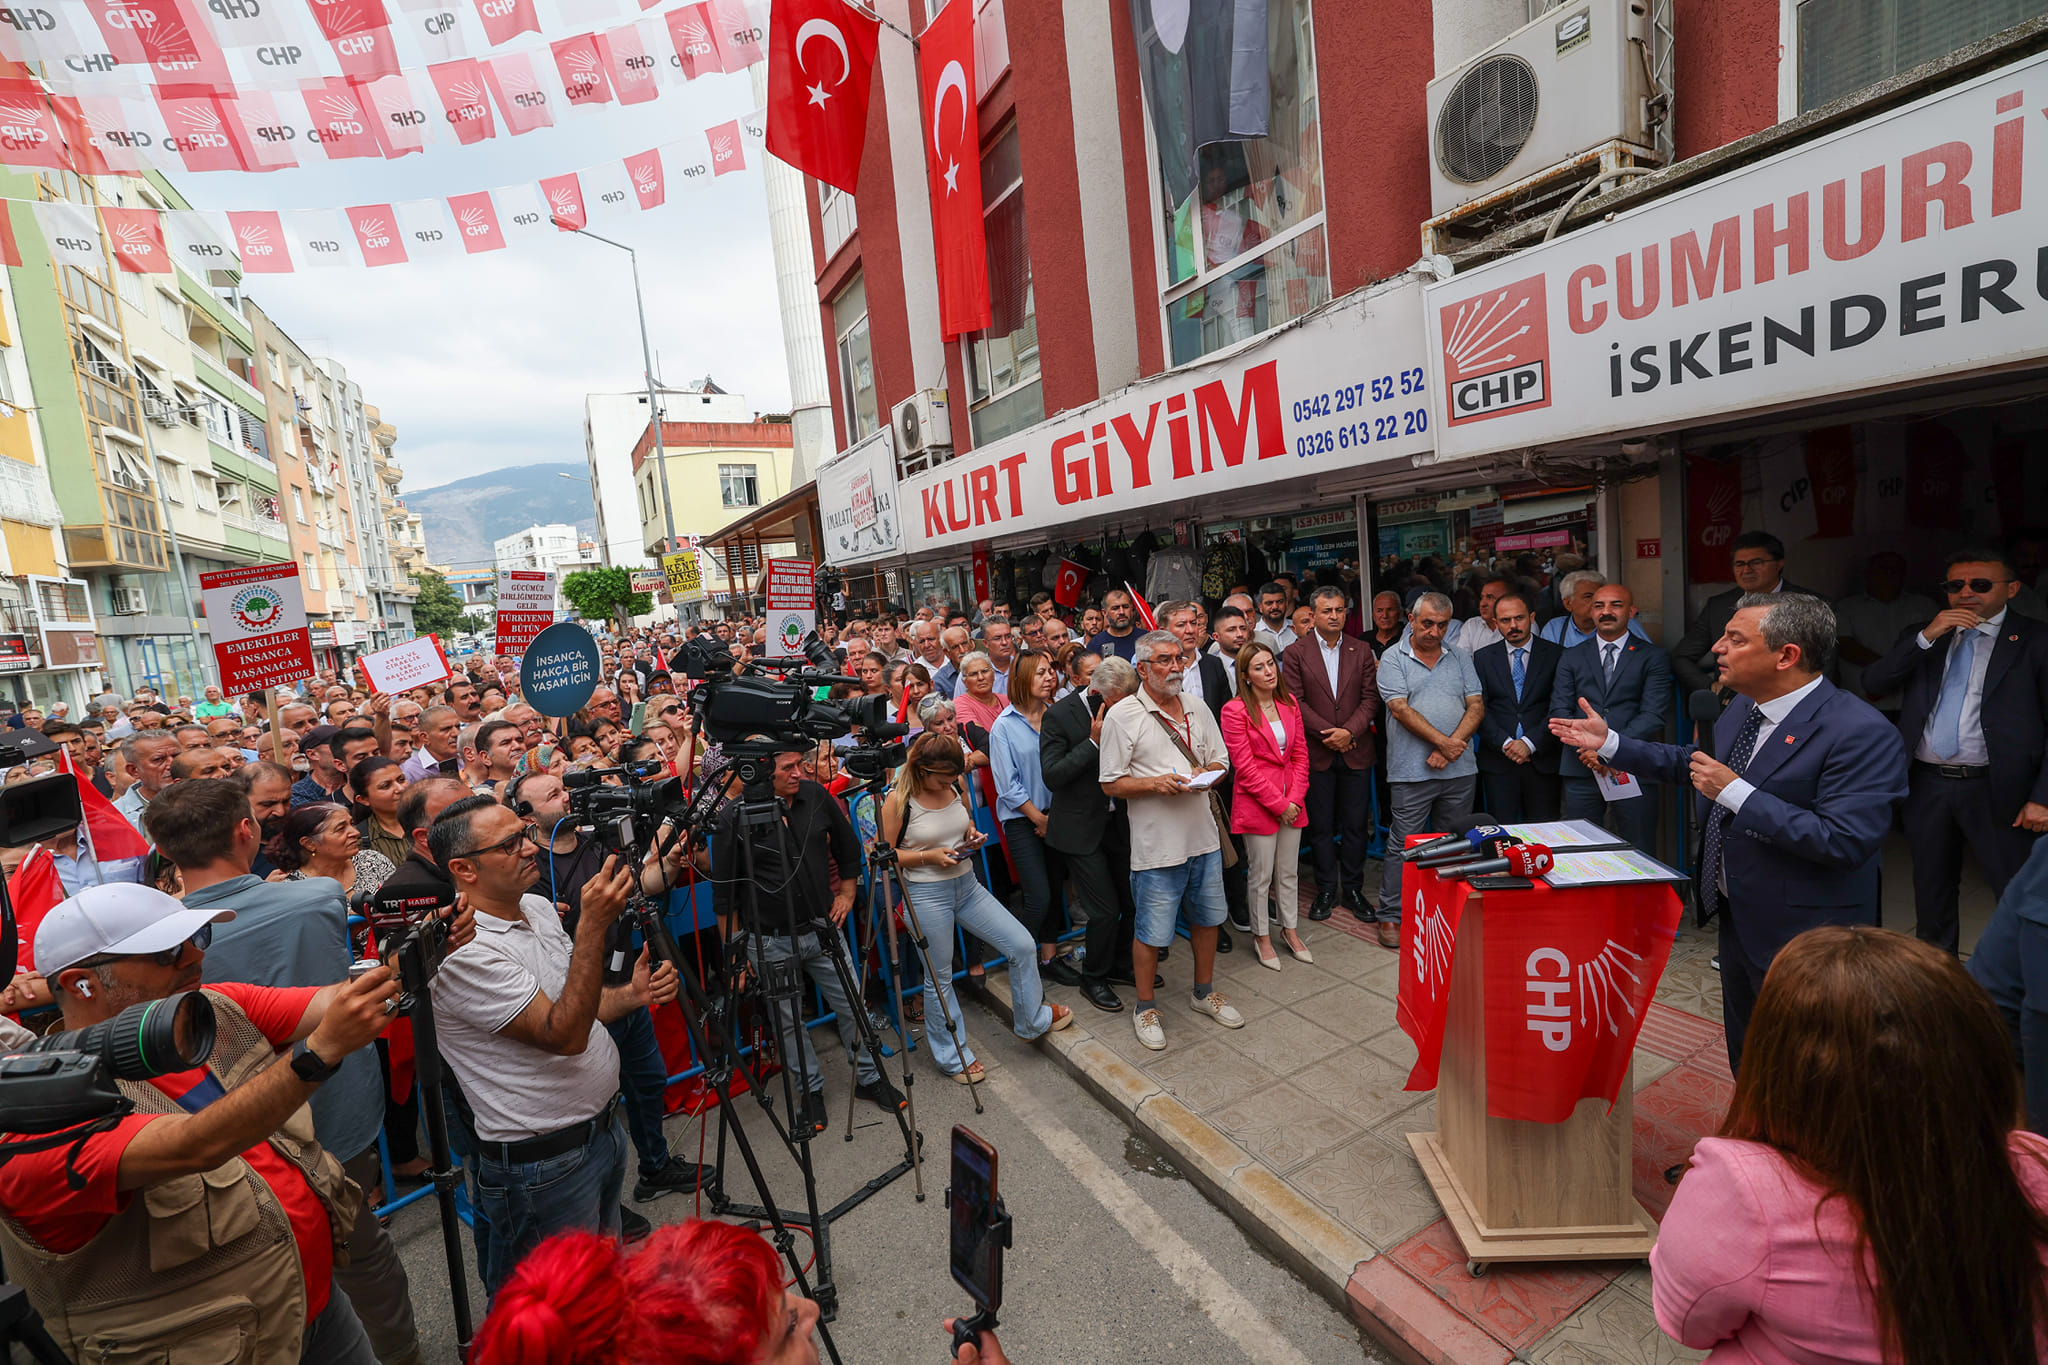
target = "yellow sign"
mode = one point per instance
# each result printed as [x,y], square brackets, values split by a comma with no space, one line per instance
[681,568]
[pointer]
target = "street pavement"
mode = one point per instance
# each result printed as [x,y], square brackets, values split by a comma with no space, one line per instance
[1117,1257]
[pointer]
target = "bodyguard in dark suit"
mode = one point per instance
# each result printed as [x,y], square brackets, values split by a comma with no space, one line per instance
[1794,817]
[1336,679]
[1975,719]
[1517,753]
[1090,829]
[1628,681]
[1758,559]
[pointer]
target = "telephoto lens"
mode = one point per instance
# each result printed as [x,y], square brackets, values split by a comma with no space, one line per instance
[154,1038]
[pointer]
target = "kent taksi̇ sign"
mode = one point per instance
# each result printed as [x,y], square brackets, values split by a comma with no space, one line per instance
[1345,387]
[1896,252]
[257,618]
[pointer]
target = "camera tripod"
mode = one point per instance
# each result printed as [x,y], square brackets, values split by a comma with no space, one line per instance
[780,987]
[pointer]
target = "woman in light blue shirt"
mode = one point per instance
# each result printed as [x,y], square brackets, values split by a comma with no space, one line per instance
[1023,802]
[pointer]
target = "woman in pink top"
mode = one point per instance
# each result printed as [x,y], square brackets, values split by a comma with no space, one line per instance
[1269,768]
[1869,1197]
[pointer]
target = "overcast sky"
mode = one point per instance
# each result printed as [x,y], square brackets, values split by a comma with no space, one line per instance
[482,361]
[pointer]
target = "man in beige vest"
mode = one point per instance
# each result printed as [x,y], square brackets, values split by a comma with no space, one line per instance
[209,1221]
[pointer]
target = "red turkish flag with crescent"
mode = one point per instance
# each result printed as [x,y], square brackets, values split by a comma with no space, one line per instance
[952,148]
[107,832]
[1066,589]
[477,218]
[137,239]
[259,241]
[821,63]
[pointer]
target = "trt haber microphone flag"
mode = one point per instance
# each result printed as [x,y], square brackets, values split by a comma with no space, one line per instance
[564,196]
[505,20]
[461,88]
[952,146]
[581,68]
[821,62]
[137,239]
[376,229]
[259,241]
[650,182]
[476,220]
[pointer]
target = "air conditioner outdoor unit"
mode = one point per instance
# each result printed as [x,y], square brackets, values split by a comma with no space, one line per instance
[160,412]
[129,600]
[1574,79]
[924,425]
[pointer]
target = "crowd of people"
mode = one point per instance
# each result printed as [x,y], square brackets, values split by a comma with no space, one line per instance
[1082,787]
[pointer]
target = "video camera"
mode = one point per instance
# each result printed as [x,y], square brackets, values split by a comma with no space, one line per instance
[66,1079]
[404,922]
[627,815]
[732,707]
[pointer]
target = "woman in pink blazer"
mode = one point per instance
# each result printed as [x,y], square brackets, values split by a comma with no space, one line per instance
[1869,1197]
[1269,773]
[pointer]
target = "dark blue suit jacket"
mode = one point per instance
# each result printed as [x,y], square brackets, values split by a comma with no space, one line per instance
[2015,703]
[1503,713]
[1637,702]
[1803,850]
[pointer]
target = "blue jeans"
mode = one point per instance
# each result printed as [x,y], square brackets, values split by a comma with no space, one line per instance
[965,903]
[809,955]
[643,1076]
[1162,893]
[529,1201]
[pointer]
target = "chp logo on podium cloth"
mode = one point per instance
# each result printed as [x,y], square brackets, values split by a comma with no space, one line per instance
[1497,352]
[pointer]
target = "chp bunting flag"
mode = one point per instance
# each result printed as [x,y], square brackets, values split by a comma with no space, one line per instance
[689,28]
[401,126]
[517,89]
[324,235]
[818,114]
[166,36]
[650,186]
[581,67]
[359,31]
[564,196]
[737,35]
[33,891]
[376,229]
[71,231]
[945,57]
[725,148]
[208,136]
[29,133]
[423,227]
[266,140]
[346,128]
[630,62]
[505,20]
[476,219]
[137,237]
[259,241]
[460,85]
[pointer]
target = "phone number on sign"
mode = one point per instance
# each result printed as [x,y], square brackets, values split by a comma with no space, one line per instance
[1366,429]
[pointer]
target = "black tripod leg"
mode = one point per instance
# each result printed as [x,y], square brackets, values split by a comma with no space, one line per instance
[445,1174]
[885,880]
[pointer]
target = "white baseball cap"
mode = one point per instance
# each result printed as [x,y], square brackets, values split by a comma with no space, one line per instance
[118,918]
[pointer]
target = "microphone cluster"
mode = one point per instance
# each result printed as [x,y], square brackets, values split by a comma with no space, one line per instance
[1519,860]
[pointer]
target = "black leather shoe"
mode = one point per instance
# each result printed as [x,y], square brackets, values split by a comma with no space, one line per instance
[1130,979]
[678,1175]
[1060,972]
[1324,902]
[632,1227]
[1223,943]
[1101,996]
[1354,902]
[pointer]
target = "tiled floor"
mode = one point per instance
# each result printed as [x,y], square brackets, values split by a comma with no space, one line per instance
[1312,1087]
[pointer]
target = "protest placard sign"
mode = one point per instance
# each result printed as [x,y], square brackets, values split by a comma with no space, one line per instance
[257,618]
[401,668]
[792,603]
[526,607]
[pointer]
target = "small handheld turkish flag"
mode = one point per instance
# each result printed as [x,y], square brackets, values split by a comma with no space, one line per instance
[1066,589]
[821,63]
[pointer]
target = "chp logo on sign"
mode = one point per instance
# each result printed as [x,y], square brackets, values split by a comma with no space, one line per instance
[1496,352]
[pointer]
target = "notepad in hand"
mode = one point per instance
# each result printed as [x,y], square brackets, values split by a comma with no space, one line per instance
[1201,782]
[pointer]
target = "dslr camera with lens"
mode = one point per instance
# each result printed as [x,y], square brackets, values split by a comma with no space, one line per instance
[66,1079]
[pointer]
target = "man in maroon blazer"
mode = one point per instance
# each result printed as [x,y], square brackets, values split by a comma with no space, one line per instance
[1334,678]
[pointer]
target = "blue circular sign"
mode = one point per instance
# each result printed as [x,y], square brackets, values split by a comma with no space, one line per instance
[560,670]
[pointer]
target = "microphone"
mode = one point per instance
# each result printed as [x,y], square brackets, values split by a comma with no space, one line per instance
[1483,826]
[1703,708]
[1493,846]
[1522,860]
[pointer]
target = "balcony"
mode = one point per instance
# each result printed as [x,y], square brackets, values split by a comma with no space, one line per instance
[390,472]
[224,380]
[256,526]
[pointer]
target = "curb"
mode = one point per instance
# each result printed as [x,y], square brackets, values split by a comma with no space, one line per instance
[1314,1245]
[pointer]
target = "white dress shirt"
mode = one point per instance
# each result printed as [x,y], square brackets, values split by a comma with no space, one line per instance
[1229,662]
[1333,656]
[1191,679]
[1973,753]
[1774,712]
[1475,635]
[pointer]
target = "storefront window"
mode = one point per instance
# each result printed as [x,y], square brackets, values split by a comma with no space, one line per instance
[1845,45]
[1241,211]
[1003,361]
[856,361]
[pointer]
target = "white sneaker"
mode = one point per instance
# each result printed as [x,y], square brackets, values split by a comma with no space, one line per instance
[1221,1010]
[1151,1029]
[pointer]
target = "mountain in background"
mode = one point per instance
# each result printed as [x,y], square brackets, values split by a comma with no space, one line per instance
[462,519]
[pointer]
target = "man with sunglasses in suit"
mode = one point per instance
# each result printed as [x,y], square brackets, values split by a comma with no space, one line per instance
[1975,720]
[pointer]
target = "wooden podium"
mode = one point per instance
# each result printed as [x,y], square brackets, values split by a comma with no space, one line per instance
[1516,1190]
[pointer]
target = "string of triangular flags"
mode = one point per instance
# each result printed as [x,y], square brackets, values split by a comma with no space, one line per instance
[144,240]
[112,123]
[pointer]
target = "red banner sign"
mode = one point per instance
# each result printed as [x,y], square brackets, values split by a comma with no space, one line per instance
[1713,516]
[1568,976]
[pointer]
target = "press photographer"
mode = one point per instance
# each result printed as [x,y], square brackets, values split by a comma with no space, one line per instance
[223,1156]
[516,1011]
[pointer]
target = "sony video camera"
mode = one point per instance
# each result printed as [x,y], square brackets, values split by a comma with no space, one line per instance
[732,708]
[67,1079]
[412,927]
[629,814]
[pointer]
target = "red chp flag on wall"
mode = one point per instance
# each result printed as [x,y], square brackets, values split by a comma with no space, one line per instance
[1713,515]
[137,238]
[821,62]
[945,61]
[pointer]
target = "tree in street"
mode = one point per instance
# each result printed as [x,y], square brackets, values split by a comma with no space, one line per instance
[597,594]
[439,609]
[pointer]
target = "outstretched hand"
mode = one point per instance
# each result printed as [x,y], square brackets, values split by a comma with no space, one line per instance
[1589,733]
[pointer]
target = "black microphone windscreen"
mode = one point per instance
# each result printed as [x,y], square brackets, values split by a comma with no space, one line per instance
[1703,706]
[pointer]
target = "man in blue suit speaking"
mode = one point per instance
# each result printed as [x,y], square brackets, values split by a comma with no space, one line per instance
[1794,817]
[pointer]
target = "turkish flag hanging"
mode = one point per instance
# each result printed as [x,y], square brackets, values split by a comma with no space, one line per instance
[137,239]
[1066,589]
[460,84]
[376,229]
[259,241]
[507,19]
[582,70]
[107,832]
[818,113]
[34,890]
[564,196]
[945,62]
[650,181]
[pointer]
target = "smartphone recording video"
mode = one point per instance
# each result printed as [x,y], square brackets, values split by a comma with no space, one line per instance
[977,1250]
